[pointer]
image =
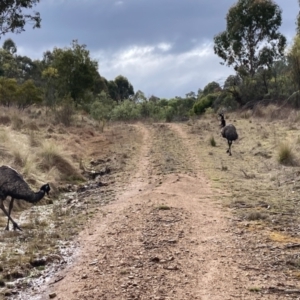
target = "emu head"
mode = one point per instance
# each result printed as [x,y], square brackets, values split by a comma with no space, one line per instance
[45,188]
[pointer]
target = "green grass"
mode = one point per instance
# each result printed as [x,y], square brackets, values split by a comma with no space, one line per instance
[163,207]
[255,289]
[212,141]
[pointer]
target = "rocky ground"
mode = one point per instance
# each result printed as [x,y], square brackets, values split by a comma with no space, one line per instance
[167,235]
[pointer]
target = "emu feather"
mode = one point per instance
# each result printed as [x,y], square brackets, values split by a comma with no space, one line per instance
[228,132]
[12,184]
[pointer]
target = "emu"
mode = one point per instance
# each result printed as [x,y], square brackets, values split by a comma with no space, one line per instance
[228,132]
[12,184]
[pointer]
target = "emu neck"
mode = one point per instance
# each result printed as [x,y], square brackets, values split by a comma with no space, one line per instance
[35,197]
[223,122]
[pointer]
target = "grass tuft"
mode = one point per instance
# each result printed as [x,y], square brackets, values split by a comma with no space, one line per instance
[286,156]
[255,216]
[17,122]
[255,289]
[5,120]
[212,141]
[52,157]
[163,207]
[19,158]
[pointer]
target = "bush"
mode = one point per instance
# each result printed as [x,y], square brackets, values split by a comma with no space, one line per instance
[125,111]
[99,108]
[65,113]
[170,112]
[204,103]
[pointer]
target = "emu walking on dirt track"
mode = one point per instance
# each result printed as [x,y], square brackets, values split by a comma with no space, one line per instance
[228,132]
[12,184]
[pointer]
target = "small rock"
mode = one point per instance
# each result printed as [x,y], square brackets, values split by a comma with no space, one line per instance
[172,241]
[52,295]
[171,268]
[36,262]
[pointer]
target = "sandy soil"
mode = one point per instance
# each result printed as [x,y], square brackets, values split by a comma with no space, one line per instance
[167,236]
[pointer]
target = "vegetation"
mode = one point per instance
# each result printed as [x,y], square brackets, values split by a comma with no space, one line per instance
[251,39]
[52,109]
[212,141]
[286,155]
[67,80]
[45,150]
[14,16]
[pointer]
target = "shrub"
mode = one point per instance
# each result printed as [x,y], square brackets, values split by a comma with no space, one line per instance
[204,103]
[100,109]
[170,112]
[209,111]
[125,111]
[65,113]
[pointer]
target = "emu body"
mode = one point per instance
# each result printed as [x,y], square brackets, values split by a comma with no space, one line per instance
[228,132]
[12,184]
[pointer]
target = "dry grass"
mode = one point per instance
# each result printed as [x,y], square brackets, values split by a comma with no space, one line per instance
[50,156]
[263,172]
[286,155]
[43,151]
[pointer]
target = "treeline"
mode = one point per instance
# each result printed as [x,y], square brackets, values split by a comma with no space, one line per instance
[70,77]
[67,78]
[62,72]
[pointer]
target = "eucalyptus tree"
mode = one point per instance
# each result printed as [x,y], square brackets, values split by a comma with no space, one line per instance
[211,88]
[139,97]
[77,72]
[294,62]
[251,39]
[8,64]
[10,46]
[125,88]
[15,14]
[113,90]
[298,22]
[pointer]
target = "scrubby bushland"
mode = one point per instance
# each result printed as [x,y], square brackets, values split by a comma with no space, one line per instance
[204,103]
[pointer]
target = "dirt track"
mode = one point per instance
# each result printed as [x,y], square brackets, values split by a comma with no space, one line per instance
[166,237]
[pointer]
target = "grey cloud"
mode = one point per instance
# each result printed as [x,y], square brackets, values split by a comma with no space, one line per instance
[105,25]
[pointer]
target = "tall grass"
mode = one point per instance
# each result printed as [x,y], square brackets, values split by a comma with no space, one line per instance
[50,156]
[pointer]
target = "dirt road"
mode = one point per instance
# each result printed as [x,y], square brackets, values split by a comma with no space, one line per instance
[167,236]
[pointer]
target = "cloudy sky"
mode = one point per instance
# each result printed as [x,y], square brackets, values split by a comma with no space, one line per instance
[163,47]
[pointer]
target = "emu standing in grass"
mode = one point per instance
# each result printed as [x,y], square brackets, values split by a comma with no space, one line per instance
[228,132]
[12,184]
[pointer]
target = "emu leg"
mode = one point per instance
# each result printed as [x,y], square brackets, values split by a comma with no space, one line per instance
[16,226]
[229,149]
[229,144]
[11,204]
